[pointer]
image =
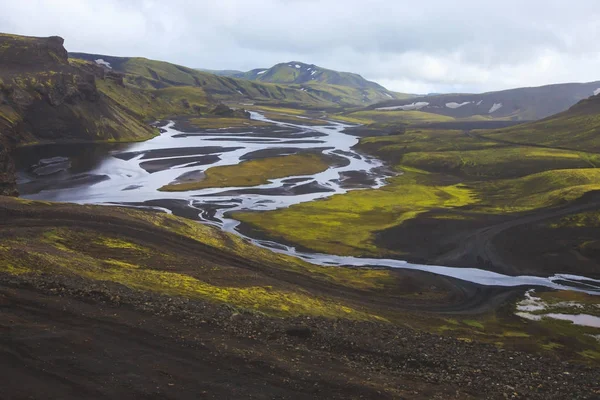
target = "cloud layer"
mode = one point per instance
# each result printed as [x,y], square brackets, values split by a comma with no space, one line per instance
[408,46]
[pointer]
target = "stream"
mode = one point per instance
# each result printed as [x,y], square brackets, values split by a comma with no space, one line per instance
[131,174]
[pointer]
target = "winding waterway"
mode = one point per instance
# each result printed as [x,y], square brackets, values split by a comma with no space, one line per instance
[132,174]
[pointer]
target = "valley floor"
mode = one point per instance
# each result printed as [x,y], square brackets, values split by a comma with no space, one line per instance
[77,319]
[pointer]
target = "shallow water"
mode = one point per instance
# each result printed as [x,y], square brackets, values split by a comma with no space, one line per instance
[131,175]
[532,308]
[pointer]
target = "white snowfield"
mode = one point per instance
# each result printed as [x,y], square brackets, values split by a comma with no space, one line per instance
[313,72]
[479,102]
[389,95]
[100,61]
[414,106]
[261,72]
[457,105]
[596,92]
[495,107]
[297,66]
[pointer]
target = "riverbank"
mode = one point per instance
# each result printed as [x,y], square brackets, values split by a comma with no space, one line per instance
[68,303]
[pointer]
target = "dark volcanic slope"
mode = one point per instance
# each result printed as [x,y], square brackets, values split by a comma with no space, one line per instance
[523,104]
[44,98]
[72,330]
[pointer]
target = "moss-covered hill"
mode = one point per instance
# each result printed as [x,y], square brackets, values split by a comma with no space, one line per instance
[45,97]
[311,76]
[577,128]
[529,193]
[339,90]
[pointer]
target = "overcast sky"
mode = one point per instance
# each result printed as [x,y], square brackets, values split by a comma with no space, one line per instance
[408,46]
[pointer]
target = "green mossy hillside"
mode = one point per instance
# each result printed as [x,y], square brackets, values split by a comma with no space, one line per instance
[346,224]
[577,128]
[151,74]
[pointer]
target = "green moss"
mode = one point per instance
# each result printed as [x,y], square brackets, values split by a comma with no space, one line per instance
[576,129]
[115,243]
[594,355]
[346,224]
[503,162]
[474,324]
[515,334]
[221,123]
[552,346]
[255,172]
[381,116]
[538,190]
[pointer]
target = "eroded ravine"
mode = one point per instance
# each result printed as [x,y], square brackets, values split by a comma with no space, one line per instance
[133,174]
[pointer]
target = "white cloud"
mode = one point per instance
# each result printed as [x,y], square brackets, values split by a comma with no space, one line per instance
[460,46]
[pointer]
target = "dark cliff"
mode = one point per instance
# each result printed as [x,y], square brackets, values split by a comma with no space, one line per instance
[45,97]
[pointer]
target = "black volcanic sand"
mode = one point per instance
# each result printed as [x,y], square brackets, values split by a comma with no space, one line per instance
[357,179]
[57,184]
[175,152]
[286,190]
[364,179]
[74,338]
[243,140]
[161,165]
[516,244]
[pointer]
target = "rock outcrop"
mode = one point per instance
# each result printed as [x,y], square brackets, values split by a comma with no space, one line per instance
[44,97]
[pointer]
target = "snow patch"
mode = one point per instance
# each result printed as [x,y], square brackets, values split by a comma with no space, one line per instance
[240,92]
[457,105]
[102,62]
[596,92]
[389,95]
[495,107]
[414,106]
[297,66]
[479,102]
[314,72]
[261,72]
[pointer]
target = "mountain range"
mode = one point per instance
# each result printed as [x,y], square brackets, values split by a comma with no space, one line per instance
[296,72]
[521,104]
[332,89]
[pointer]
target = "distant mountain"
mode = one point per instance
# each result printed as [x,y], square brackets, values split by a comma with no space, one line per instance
[522,104]
[314,79]
[223,86]
[222,72]
[296,72]
[577,128]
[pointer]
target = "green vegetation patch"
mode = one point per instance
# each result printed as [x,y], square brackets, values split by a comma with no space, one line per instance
[498,162]
[381,116]
[346,224]
[543,189]
[576,128]
[255,172]
[224,122]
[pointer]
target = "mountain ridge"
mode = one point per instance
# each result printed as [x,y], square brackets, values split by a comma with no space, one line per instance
[155,74]
[522,104]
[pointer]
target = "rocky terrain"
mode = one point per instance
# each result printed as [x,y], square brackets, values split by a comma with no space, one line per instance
[43,98]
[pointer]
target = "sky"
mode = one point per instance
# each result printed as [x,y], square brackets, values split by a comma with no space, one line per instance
[407,46]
